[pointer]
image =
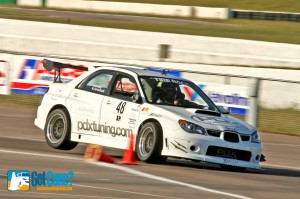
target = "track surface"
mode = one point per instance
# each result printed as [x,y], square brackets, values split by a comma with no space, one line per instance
[22,146]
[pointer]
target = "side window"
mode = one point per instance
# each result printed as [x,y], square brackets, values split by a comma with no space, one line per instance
[124,87]
[97,83]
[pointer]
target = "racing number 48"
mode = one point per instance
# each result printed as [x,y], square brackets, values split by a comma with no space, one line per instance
[120,107]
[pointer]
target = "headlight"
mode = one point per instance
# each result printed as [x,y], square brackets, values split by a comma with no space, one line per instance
[191,127]
[255,137]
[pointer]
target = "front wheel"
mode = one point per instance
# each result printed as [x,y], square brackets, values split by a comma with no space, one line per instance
[149,143]
[58,130]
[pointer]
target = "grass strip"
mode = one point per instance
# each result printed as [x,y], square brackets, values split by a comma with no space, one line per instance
[265,5]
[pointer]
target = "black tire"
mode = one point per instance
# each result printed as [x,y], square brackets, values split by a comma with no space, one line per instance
[58,130]
[149,143]
[232,168]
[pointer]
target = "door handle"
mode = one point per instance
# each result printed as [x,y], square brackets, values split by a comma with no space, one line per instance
[76,95]
[108,102]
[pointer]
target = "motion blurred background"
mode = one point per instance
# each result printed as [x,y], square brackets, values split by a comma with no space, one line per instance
[243,54]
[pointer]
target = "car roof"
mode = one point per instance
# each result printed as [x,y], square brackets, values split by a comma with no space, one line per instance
[141,72]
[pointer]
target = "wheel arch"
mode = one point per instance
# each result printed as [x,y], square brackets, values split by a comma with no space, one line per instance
[146,121]
[58,106]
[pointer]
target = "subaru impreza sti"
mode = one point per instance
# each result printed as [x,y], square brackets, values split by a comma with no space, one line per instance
[168,116]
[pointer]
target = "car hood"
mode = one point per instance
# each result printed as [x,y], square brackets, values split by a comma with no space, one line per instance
[210,120]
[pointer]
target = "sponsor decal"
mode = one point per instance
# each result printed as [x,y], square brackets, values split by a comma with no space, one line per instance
[132,121]
[119,108]
[230,128]
[179,147]
[98,89]
[23,180]
[231,162]
[118,118]
[145,109]
[210,120]
[86,109]
[226,153]
[154,115]
[103,128]
[133,115]
[174,81]
[135,109]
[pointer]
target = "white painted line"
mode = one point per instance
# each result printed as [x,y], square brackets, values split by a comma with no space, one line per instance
[41,155]
[65,195]
[146,175]
[281,144]
[22,138]
[118,190]
[281,166]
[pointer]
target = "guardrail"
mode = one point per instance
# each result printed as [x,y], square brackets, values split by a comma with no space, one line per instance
[135,8]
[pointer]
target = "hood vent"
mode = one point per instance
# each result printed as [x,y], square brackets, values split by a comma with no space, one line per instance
[207,112]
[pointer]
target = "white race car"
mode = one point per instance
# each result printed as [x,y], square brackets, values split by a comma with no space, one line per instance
[168,116]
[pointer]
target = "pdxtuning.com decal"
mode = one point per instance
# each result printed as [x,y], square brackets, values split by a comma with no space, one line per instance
[103,128]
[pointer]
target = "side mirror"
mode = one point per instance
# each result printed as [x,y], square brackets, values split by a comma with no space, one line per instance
[223,110]
[136,97]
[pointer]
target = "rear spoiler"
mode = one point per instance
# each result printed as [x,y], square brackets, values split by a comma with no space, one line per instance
[49,65]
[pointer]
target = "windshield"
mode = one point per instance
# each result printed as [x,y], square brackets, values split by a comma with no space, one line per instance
[174,92]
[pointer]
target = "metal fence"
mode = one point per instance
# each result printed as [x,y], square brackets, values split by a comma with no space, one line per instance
[260,15]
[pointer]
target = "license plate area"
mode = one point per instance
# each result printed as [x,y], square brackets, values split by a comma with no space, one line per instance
[228,153]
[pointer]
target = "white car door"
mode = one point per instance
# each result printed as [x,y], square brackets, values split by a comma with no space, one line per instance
[119,112]
[84,102]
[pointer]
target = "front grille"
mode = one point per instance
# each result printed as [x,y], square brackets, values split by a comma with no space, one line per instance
[231,137]
[229,153]
[214,133]
[245,137]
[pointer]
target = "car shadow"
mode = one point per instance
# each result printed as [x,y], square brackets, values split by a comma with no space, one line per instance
[272,171]
[173,162]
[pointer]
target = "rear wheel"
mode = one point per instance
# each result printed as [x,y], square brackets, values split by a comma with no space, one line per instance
[58,130]
[149,143]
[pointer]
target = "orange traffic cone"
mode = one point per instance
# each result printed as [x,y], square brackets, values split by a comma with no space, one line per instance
[128,157]
[94,152]
[106,158]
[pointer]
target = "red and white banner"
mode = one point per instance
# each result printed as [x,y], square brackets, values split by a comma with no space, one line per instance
[4,78]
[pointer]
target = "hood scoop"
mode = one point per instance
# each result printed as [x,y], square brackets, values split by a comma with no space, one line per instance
[207,112]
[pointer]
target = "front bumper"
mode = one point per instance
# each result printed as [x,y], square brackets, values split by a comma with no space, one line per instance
[213,149]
